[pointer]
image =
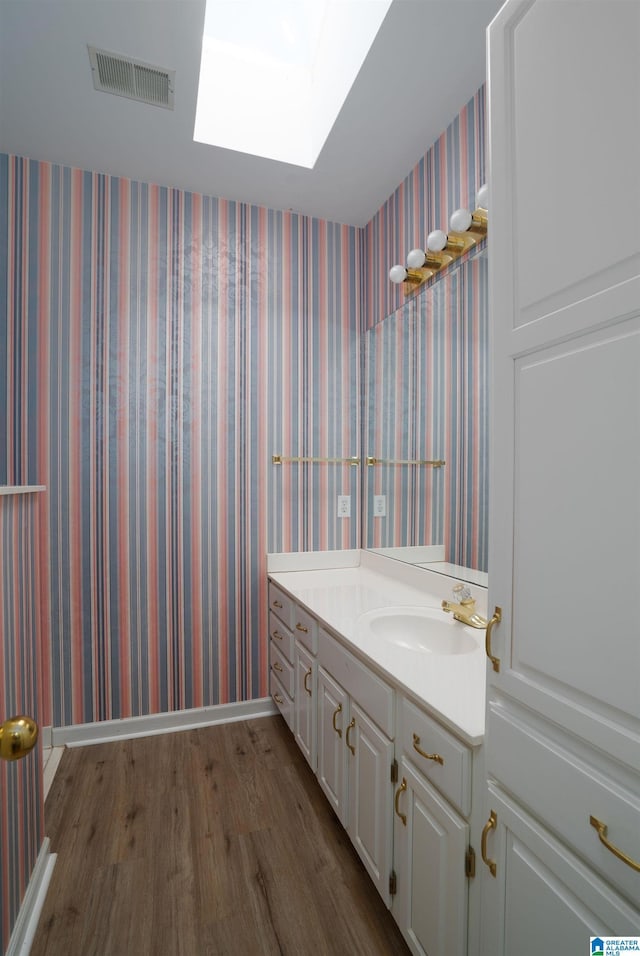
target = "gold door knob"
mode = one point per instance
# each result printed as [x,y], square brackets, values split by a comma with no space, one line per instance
[18,736]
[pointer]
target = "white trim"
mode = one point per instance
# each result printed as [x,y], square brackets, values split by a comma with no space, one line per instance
[45,737]
[106,731]
[27,921]
[20,489]
[312,560]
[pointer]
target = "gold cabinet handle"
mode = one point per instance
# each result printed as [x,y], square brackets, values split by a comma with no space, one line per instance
[423,753]
[497,617]
[306,687]
[337,711]
[277,604]
[491,824]
[346,736]
[277,666]
[278,699]
[301,627]
[401,789]
[278,635]
[602,834]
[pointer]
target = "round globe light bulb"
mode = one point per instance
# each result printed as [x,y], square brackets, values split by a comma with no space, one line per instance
[482,197]
[436,240]
[397,274]
[460,220]
[416,258]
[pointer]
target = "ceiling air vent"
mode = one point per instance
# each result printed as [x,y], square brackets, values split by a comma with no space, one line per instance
[113,73]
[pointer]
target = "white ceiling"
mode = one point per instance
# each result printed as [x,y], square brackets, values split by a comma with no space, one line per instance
[426,63]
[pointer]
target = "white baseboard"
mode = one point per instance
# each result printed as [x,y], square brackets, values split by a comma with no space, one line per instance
[27,921]
[45,737]
[106,731]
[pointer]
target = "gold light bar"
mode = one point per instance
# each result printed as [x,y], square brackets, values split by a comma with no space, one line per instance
[437,463]
[281,460]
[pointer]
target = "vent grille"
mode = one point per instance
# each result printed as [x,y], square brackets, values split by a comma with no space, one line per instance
[134,79]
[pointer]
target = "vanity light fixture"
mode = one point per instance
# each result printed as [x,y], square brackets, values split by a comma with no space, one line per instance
[467,229]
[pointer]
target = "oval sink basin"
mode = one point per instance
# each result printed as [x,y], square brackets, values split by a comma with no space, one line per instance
[420,629]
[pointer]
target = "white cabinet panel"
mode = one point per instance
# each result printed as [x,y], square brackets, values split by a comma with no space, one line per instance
[430,841]
[370,797]
[577,519]
[333,719]
[306,673]
[543,898]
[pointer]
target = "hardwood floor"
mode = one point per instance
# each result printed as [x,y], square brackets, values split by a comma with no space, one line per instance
[209,842]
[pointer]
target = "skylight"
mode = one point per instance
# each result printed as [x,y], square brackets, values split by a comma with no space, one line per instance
[274,74]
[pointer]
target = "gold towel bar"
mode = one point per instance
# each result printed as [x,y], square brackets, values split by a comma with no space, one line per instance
[281,460]
[438,463]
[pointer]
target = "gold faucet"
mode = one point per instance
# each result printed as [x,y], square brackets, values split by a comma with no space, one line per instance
[464,610]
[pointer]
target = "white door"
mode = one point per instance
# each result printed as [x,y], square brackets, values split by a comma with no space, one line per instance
[370,797]
[564,267]
[333,719]
[430,842]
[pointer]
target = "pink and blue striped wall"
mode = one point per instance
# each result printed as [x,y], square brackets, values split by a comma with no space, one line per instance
[156,348]
[21,794]
[425,395]
[167,344]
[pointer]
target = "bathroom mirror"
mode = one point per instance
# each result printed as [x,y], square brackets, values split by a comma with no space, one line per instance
[425,400]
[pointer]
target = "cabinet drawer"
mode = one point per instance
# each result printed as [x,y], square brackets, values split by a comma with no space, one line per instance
[281,636]
[367,689]
[280,604]
[283,669]
[564,790]
[419,732]
[305,629]
[281,699]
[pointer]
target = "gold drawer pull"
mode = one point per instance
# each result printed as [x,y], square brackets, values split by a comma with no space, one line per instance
[277,666]
[301,627]
[337,711]
[278,636]
[278,699]
[277,604]
[416,747]
[351,725]
[602,834]
[491,824]
[308,689]
[497,617]
[401,789]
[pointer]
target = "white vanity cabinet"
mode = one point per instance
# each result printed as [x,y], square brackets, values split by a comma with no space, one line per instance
[356,753]
[562,800]
[431,834]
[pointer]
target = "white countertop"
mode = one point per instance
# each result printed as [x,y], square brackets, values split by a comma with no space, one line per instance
[452,686]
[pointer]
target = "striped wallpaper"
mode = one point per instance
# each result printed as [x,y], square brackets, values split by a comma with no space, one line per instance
[425,398]
[161,346]
[447,177]
[156,348]
[21,793]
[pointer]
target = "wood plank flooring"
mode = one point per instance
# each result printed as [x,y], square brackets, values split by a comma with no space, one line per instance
[209,842]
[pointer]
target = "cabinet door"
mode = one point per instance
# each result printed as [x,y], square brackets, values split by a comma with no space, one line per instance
[430,842]
[333,718]
[370,797]
[551,902]
[305,704]
[564,101]
[564,97]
